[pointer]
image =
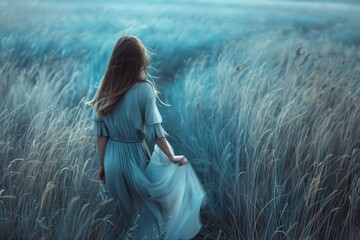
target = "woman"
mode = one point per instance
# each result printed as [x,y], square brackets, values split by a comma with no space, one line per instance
[162,187]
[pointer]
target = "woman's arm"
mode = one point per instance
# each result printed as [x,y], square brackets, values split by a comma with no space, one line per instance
[101,147]
[102,141]
[165,147]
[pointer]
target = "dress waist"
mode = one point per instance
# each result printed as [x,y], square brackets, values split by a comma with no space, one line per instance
[127,140]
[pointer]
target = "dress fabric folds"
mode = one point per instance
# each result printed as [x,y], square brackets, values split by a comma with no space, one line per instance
[167,197]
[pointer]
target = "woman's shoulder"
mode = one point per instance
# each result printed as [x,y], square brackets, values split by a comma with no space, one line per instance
[146,91]
[145,84]
[146,87]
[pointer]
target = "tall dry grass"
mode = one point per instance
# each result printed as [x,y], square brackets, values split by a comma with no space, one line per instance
[272,127]
[269,120]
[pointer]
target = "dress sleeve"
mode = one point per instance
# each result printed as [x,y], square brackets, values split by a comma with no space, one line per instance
[153,118]
[98,126]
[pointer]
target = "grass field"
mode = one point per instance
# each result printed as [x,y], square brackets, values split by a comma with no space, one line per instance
[265,103]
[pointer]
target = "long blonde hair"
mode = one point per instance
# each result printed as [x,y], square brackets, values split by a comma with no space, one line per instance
[127,66]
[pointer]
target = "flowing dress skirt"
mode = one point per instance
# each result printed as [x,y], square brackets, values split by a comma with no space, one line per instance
[167,197]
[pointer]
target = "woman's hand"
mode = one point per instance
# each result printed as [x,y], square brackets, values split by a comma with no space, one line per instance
[166,148]
[181,159]
[102,174]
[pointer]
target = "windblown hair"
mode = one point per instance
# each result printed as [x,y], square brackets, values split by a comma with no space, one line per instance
[127,66]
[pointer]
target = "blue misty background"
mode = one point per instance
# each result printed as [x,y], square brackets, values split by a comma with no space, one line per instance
[177,31]
[265,104]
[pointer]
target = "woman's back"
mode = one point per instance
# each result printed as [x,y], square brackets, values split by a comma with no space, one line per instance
[132,114]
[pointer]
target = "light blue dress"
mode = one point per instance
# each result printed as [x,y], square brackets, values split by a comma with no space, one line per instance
[164,194]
